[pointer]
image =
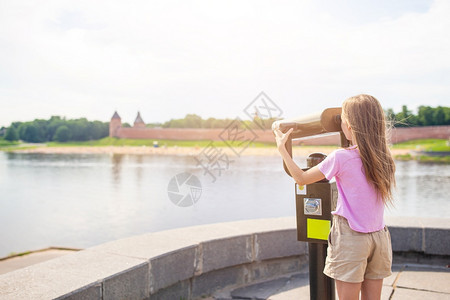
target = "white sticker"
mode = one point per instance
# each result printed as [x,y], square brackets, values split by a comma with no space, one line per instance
[300,189]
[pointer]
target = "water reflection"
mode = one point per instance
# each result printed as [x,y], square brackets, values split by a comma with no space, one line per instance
[422,189]
[116,160]
[139,169]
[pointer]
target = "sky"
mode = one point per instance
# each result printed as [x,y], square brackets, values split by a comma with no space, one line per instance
[167,59]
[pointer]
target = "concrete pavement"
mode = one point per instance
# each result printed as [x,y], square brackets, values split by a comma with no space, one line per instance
[428,280]
[408,281]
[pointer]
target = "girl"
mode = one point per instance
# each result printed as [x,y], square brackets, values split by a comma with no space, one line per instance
[359,251]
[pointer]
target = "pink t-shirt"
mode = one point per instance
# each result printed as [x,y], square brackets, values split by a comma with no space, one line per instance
[357,199]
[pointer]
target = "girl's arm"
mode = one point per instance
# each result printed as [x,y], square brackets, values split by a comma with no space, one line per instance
[301,177]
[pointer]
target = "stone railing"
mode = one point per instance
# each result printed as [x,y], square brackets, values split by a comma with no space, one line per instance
[193,262]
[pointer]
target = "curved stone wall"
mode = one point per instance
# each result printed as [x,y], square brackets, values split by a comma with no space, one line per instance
[192,262]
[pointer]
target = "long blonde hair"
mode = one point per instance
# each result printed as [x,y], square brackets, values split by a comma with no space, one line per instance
[367,120]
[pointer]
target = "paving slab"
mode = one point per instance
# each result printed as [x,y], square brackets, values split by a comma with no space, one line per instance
[425,278]
[402,293]
[19,262]
[296,288]
[302,293]
[386,292]
[207,284]
[260,291]
[406,282]
[396,268]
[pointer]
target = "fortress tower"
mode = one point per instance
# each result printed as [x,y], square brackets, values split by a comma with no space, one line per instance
[139,123]
[114,125]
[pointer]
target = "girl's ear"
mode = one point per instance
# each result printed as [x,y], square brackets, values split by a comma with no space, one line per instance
[351,132]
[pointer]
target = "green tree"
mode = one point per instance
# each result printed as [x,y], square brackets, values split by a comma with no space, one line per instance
[16,124]
[79,129]
[447,115]
[208,123]
[174,123]
[403,118]
[98,130]
[62,134]
[439,116]
[41,126]
[53,124]
[152,125]
[221,123]
[192,121]
[21,130]
[11,134]
[45,130]
[30,133]
[390,115]
[425,116]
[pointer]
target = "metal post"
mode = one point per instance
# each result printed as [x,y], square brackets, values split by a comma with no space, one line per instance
[321,287]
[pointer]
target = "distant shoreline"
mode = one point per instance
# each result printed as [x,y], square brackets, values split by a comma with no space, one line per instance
[146,150]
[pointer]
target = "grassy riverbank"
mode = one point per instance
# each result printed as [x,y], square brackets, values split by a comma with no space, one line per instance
[8,146]
[440,145]
[435,145]
[138,142]
[402,151]
[423,158]
[427,145]
[4,143]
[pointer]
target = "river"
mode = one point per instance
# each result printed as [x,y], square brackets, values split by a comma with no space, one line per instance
[80,200]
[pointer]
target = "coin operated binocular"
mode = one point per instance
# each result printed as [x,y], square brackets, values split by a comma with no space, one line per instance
[314,202]
[327,121]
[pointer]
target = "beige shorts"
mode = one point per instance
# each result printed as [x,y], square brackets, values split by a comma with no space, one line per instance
[353,256]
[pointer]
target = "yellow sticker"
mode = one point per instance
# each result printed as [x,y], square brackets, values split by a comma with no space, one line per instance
[301,189]
[317,229]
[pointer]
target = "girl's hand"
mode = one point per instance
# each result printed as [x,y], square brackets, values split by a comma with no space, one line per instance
[281,138]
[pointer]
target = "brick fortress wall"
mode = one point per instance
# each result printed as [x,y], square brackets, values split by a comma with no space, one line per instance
[140,132]
[414,133]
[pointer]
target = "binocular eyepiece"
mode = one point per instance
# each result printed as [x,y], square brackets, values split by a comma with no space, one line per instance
[327,121]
